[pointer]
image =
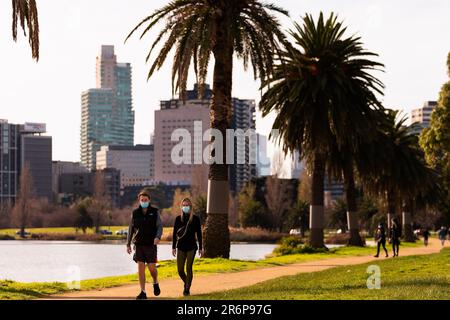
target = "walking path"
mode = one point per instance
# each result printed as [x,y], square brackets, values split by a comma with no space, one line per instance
[172,288]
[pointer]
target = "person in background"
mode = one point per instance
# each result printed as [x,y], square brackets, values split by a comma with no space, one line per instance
[442,233]
[394,236]
[186,228]
[426,235]
[380,239]
[145,232]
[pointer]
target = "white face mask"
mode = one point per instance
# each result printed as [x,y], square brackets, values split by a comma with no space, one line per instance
[186,209]
[144,204]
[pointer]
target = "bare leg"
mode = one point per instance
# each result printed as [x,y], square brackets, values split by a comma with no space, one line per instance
[141,271]
[153,271]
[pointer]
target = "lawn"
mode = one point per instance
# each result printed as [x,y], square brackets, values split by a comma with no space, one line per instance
[411,277]
[14,290]
[66,231]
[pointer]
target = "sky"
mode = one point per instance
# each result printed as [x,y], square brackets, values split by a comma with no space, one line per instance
[410,36]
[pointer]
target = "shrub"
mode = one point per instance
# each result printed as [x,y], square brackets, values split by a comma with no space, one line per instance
[340,238]
[254,235]
[6,237]
[294,245]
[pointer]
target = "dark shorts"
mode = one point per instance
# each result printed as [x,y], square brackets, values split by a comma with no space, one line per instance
[146,253]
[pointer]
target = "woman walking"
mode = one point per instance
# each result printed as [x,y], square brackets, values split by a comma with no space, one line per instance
[442,233]
[394,236]
[184,244]
[380,238]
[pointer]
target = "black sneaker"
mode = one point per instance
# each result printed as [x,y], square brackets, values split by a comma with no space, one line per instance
[156,289]
[185,291]
[142,296]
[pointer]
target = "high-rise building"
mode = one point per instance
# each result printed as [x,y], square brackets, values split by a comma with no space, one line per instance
[422,115]
[243,119]
[176,114]
[107,116]
[36,151]
[9,163]
[136,163]
[24,144]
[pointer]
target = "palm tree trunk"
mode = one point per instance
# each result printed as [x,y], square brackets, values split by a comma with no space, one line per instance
[350,194]
[316,221]
[217,235]
[391,208]
[408,234]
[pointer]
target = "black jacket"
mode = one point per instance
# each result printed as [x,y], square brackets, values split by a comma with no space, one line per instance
[144,228]
[395,232]
[188,241]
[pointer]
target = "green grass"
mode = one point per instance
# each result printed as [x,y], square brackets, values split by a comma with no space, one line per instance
[14,290]
[411,277]
[67,231]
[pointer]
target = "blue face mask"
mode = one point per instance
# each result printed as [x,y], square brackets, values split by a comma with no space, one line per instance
[145,204]
[186,209]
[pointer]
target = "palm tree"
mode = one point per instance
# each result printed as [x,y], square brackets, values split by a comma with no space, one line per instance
[199,29]
[321,91]
[402,175]
[25,13]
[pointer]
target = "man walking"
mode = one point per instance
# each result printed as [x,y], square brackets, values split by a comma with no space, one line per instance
[145,232]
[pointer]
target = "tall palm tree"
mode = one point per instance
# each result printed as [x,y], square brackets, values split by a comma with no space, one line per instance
[25,14]
[321,91]
[355,158]
[199,29]
[402,175]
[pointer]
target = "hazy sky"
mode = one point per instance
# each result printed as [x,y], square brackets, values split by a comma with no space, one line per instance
[411,37]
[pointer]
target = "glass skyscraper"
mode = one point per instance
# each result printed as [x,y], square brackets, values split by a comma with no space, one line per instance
[107,116]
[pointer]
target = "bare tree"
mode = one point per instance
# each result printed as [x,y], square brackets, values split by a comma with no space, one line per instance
[278,194]
[21,210]
[101,202]
[199,185]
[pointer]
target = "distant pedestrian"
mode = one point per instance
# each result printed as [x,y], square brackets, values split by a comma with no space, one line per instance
[442,233]
[145,232]
[380,239]
[426,235]
[394,236]
[187,231]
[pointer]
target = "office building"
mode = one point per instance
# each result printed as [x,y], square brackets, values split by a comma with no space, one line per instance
[107,116]
[63,167]
[76,185]
[136,163]
[24,144]
[177,114]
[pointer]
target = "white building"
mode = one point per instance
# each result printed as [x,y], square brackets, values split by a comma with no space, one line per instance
[136,163]
[422,115]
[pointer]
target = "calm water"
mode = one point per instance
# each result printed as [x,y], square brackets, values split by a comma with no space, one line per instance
[47,261]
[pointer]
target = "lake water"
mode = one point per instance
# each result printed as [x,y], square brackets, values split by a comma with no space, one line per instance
[48,261]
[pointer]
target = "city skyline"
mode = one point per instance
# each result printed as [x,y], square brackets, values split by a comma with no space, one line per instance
[48,91]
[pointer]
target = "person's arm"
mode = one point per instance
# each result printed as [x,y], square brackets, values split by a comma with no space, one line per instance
[159,227]
[130,231]
[174,234]
[198,231]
